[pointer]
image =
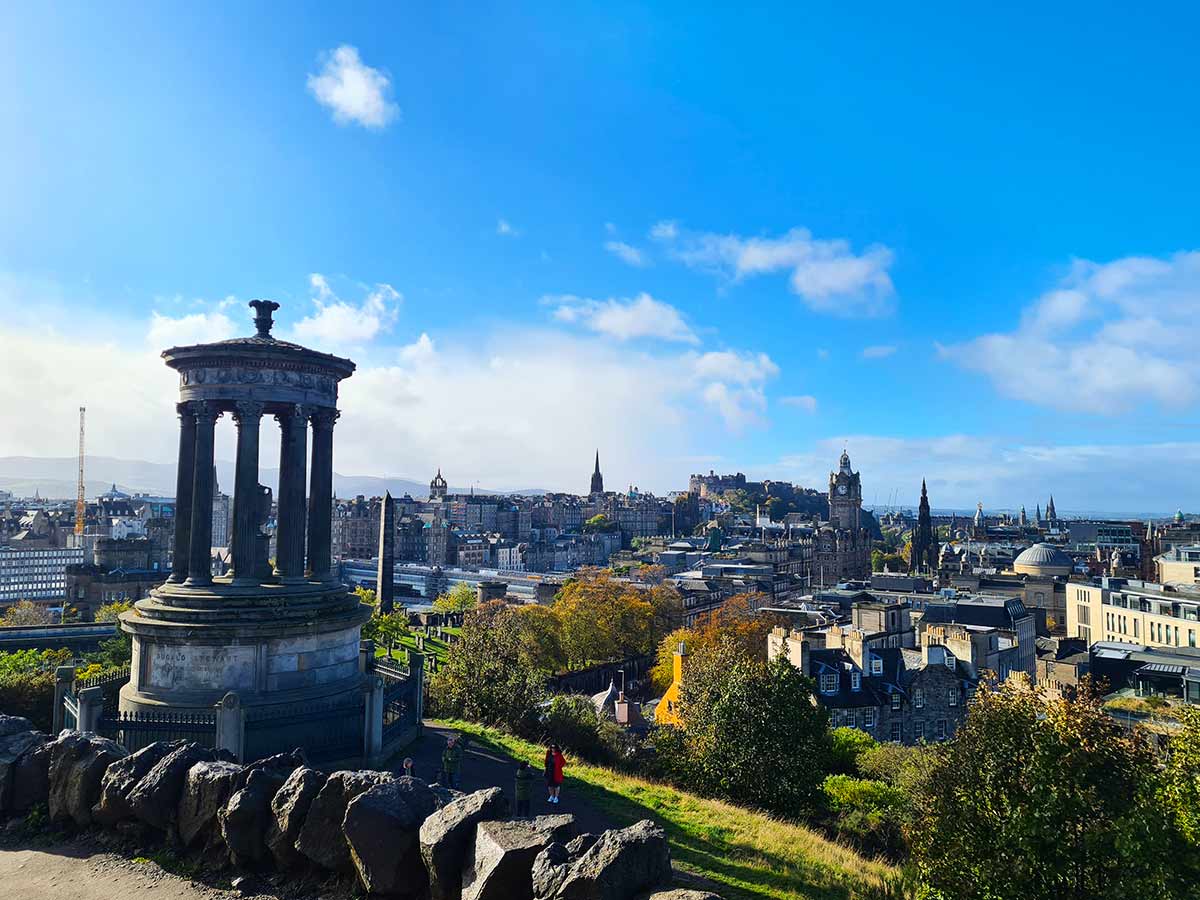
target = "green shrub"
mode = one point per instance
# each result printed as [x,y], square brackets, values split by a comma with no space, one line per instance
[868,814]
[29,694]
[848,745]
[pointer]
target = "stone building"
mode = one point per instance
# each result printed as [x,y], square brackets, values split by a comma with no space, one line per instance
[278,637]
[120,570]
[924,538]
[893,693]
[843,546]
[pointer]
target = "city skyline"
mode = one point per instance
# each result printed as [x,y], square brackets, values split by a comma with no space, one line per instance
[732,251]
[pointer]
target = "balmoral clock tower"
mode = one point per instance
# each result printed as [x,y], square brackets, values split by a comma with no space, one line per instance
[845,496]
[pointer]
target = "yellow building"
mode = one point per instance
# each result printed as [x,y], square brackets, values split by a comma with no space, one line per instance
[1179,565]
[667,711]
[1134,612]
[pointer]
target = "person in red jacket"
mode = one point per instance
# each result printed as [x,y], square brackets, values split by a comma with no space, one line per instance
[555,762]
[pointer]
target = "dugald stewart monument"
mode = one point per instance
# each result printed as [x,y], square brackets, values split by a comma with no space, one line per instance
[275,634]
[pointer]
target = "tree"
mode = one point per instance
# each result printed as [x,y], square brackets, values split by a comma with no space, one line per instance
[1039,798]
[25,612]
[111,612]
[742,718]
[540,635]
[1181,792]
[599,522]
[458,599]
[737,619]
[486,677]
[603,620]
[391,627]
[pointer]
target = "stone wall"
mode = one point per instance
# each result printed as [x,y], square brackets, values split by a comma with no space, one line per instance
[398,836]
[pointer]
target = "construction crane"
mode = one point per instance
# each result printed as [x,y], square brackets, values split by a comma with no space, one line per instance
[80,501]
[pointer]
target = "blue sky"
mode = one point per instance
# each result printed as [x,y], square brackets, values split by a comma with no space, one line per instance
[960,241]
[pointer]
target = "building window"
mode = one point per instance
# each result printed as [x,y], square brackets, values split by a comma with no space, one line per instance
[869,717]
[940,730]
[1191,637]
[918,729]
[952,696]
[919,698]
[829,683]
[876,665]
[896,701]
[897,734]
[855,681]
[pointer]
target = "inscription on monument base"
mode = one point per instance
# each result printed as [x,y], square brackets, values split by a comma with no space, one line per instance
[201,668]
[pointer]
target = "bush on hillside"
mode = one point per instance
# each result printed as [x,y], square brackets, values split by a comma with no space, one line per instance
[848,744]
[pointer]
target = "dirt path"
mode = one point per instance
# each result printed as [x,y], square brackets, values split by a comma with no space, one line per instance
[483,767]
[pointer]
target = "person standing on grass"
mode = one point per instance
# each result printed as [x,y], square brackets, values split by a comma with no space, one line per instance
[523,790]
[555,762]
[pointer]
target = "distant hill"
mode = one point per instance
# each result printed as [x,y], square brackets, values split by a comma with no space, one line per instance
[54,477]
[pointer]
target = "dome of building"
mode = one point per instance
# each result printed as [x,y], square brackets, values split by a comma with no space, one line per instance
[1043,559]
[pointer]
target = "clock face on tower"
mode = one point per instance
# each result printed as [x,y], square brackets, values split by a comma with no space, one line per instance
[841,489]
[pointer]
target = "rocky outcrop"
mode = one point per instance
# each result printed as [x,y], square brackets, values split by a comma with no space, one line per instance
[246,818]
[447,835]
[78,761]
[154,800]
[382,827]
[122,777]
[12,748]
[321,838]
[206,789]
[680,894]
[31,779]
[500,863]
[621,864]
[552,864]
[289,809]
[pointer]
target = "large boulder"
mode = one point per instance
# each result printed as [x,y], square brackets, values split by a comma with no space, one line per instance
[78,761]
[381,827]
[155,798]
[206,789]
[122,777]
[447,835]
[246,818]
[10,725]
[31,780]
[12,748]
[277,767]
[321,838]
[289,809]
[621,864]
[500,863]
[554,862]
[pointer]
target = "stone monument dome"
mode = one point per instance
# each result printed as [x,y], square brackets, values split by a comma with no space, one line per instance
[1043,559]
[276,634]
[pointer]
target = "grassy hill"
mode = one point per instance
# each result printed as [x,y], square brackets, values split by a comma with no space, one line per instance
[749,855]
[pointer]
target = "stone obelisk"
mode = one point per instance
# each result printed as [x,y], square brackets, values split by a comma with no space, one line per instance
[385,589]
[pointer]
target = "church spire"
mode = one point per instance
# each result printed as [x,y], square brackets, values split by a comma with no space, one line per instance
[597,486]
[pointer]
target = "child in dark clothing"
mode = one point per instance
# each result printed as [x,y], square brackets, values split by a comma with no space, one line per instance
[523,790]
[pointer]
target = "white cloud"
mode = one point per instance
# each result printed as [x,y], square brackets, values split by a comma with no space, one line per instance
[665,230]
[805,402]
[194,328]
[624,319]
[353,91]
[826,274]
[878,351]
[1107,339]
[822,353]
[733,384]
[626,253]
[341,325]
[505,228]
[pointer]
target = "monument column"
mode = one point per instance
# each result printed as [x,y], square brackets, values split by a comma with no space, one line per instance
[248,416]
[320,501]
[293,452]
[200,557]
[183,494]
